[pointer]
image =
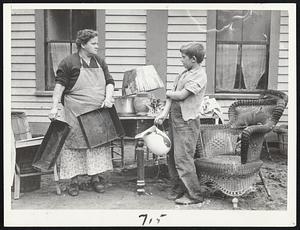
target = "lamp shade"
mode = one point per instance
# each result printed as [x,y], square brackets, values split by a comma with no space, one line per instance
[141,79]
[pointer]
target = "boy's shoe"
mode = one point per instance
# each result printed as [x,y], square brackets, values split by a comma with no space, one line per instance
[185,200]
[73,189]
[174,195]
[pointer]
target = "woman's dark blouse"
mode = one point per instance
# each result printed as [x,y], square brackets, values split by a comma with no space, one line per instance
[69,69]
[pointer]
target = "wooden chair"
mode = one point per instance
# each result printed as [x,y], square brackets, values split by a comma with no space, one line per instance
[27,144]
[230,154]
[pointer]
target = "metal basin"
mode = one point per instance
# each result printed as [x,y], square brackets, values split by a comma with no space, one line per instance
[124,105]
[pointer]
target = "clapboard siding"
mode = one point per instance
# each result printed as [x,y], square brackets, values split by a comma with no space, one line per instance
[23,67]
[23,34]
[23,51]
[183,26]
[23,76]
[22,27]
[125,42]
[22,12]
[30,98]
[283,61]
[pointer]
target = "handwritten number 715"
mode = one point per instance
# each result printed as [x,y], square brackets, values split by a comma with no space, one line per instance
[145,216]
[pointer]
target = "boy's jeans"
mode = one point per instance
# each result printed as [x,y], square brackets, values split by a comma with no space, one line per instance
[184,135]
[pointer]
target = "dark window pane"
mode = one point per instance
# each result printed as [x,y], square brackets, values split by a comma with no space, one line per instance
[257,26]
[58,25]
[56,53]
[228,26]
[83,19]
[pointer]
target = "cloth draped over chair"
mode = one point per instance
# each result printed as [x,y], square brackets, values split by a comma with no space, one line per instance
[211,107]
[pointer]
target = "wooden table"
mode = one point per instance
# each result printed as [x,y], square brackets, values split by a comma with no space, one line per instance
[134,125]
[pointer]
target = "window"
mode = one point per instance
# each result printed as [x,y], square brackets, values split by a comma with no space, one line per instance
[242,50]
[61,27]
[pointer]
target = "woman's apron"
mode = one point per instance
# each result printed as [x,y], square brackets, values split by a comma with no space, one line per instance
[87,95]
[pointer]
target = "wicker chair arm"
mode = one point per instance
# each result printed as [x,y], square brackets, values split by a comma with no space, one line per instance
[247,135]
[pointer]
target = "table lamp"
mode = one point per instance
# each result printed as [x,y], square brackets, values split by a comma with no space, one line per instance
[141,79]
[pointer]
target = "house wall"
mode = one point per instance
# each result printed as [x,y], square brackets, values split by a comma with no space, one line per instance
[125,42]
[23,74]
[125,48]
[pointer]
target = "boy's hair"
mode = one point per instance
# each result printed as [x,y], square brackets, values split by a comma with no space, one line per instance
[83,36]
[193,49]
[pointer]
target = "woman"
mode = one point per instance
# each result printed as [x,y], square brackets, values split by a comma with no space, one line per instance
[84,84]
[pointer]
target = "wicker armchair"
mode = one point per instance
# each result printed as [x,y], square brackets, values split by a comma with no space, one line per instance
[229,154]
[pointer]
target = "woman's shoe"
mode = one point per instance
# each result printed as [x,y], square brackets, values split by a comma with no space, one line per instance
[73,189]
[86,186]
[98,187]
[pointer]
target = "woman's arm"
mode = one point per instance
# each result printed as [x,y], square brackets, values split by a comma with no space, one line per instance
[57,93]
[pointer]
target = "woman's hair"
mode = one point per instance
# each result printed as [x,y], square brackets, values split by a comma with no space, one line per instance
[193,49]
[83,36]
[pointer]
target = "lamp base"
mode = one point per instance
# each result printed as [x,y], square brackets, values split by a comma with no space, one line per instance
[140,102]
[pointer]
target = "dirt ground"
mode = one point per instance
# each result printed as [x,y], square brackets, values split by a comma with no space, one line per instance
[121,194]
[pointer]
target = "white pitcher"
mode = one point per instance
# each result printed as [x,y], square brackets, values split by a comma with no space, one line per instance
[157,141]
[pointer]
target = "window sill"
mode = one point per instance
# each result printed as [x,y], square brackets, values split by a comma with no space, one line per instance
[231,96]
[41,93]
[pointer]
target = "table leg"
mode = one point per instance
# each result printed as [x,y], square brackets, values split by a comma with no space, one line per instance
[139,152]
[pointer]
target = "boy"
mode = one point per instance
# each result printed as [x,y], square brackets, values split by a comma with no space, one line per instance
[183,106]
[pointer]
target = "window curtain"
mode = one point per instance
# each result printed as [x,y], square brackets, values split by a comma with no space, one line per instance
[58,52]
[226,64]
[253,64]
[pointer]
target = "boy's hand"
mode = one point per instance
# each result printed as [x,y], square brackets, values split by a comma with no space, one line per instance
[159,119]
[169,93]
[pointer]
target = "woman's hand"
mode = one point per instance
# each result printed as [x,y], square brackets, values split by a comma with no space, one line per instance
[160,119]
[53,113]
[108,102]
